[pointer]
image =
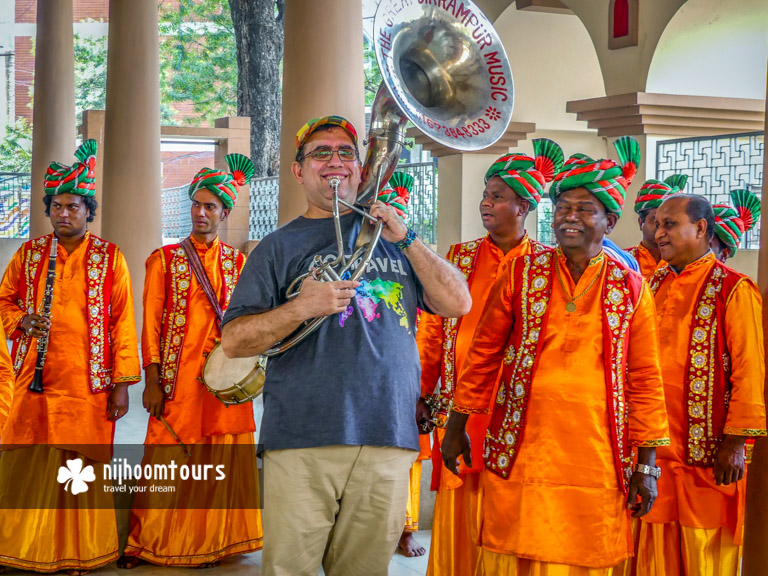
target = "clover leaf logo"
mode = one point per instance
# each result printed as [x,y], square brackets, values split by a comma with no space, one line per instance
[76,475]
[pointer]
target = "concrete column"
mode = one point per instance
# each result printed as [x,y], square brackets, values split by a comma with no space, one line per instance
[235,229]
[53,115]
[131,215]
[756,523]
[322,75]
[92,128]
[460,189]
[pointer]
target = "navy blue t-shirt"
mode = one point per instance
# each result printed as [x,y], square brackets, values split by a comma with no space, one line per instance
[355,380]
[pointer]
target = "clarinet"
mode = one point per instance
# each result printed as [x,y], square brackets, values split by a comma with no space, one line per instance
[42,342]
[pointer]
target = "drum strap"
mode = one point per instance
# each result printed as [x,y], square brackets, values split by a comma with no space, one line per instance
[202,277]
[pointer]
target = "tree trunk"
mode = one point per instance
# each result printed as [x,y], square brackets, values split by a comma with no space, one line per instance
[259,36]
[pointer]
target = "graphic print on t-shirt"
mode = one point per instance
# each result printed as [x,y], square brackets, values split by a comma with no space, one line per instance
[370,294]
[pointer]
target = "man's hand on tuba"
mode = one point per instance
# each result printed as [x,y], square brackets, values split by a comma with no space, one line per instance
[323,298]
[395,228]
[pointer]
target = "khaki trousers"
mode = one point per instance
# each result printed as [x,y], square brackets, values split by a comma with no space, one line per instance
[339,506]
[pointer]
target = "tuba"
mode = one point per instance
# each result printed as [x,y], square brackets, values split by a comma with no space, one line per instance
[445,70]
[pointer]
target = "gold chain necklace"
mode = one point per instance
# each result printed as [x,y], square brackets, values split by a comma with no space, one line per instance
[570,306]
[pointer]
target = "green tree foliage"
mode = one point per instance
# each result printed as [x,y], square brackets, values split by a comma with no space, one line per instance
[198,59]
[16,147]
[371,71]
[90,73]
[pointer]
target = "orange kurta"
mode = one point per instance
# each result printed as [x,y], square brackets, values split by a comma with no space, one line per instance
[67,413]
[645,259]
[194,412]
[563,485]
[454,548]
[197,417]
[688,494]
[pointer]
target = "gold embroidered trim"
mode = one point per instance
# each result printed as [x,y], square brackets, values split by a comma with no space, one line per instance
[179,281]
[650,443]
[127,379]
[98,282]
[501,441]
[700,382]
[744,431]
[465,410]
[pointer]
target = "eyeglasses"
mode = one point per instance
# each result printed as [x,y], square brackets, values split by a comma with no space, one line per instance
[324,154]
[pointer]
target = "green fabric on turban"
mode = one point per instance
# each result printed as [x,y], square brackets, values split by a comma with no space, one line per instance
[731,223]
[527,176]
[653,192]
[604,178]
[224,184]
[397,192]
[80,178]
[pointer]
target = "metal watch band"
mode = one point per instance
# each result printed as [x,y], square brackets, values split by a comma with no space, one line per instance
[650,470]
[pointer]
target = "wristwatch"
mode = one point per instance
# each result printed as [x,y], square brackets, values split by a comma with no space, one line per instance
[654,471]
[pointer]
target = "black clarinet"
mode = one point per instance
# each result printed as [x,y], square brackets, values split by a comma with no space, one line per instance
[42,342]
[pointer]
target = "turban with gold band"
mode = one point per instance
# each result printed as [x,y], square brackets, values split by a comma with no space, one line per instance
[654,192]
[224,184]
[732,222]
[311,127]
[77,179]
[397,192]
[527,176]
[604,178]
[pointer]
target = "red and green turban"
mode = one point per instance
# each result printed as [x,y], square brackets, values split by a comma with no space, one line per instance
[397,192]
[311,127]
[527,176]
[224,184]
[654,192]
[732,223]
[604,178]
[79,178]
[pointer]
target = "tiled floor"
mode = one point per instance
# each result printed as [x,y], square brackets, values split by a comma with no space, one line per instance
[250,565]
[131,429]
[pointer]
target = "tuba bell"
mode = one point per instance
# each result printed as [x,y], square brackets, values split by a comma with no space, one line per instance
[445,70]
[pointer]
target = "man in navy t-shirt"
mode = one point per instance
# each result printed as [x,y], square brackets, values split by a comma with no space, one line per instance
[339,431]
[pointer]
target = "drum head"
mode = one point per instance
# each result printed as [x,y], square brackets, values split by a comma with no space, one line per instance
[221,373]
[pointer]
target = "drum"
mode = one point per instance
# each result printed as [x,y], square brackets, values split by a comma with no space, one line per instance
[233,380]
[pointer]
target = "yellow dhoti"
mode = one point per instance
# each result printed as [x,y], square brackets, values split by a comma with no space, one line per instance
[57,530]
[182,536]
[670,549]
[493,564]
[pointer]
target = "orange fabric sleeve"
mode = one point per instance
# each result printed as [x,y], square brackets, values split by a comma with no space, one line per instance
[429,338]
[744,336]
[476,383]
[648,425]
[10,312]
[154,304]
[125,352]
[7,380]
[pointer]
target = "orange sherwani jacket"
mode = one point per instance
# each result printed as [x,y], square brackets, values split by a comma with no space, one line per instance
[688,493]
[645,260]
[444,343]
[191,410]
[553,473]
[69,412]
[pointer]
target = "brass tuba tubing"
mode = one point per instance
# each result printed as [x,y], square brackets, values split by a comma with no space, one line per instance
[451,78]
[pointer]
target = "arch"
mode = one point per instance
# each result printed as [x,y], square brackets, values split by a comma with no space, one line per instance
[713,48]
[553,61]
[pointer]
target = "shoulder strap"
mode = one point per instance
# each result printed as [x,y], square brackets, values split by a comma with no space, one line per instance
[202,277]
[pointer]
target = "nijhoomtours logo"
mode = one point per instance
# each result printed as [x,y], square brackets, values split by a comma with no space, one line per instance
[125,476]
[147,475]
[74,476]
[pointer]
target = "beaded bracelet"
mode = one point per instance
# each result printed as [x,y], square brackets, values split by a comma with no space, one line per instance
[410,236]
